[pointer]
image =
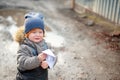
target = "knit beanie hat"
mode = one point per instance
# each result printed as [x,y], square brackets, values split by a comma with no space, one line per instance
[32,23]
[34,14]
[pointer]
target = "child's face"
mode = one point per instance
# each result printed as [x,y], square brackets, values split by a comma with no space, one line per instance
[36,35]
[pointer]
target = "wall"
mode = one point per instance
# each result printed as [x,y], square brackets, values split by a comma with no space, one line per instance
[109,9]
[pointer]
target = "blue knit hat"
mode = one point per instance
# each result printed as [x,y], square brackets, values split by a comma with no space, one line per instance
[34,14]
[32,23]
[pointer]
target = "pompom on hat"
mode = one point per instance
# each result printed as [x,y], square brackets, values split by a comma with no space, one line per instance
[33,23]
[33,15]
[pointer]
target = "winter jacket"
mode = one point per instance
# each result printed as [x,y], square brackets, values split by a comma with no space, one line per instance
[28,64]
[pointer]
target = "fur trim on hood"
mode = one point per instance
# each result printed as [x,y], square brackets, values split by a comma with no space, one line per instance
[19,36]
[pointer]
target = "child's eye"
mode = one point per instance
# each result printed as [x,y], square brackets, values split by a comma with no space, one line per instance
[33,32]
[40,32]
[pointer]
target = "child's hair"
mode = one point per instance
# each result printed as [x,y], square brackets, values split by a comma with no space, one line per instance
[27,34]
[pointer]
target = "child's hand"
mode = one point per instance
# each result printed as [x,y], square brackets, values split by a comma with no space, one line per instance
[44,65]
[42,57]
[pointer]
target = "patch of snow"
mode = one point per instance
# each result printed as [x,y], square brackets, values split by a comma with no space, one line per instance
[55,39]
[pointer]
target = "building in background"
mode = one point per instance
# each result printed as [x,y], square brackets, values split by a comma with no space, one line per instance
[109,9]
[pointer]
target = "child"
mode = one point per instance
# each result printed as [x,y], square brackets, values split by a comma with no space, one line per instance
[31,61]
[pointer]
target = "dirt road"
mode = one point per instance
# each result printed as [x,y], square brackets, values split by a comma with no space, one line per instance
[79,55]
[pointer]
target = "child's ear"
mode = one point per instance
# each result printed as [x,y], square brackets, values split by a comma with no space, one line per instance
[44,34]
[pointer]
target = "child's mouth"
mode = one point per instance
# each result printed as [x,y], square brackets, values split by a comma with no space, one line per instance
[37,38]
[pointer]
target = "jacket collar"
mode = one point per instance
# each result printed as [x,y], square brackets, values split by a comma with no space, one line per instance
[40,46]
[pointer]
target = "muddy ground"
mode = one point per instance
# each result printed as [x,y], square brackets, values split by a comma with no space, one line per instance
[84,52]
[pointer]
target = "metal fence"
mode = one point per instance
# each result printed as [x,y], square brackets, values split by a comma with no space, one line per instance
[109,9]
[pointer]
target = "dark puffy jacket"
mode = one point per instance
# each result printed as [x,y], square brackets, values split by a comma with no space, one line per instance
[28,63]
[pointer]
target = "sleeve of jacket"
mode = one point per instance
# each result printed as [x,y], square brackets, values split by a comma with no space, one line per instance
[25,61]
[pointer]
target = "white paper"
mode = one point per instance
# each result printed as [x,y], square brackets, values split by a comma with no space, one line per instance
[51,58]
